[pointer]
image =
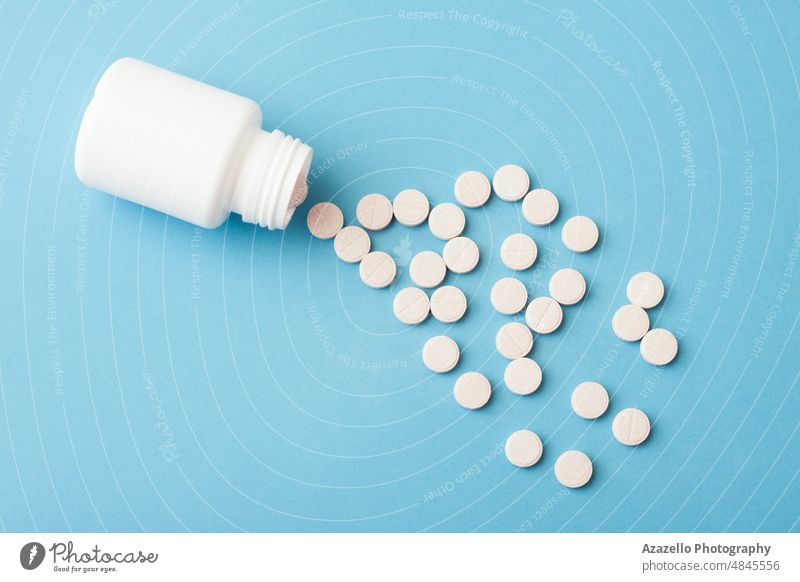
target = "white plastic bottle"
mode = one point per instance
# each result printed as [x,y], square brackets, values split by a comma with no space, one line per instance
[188,149]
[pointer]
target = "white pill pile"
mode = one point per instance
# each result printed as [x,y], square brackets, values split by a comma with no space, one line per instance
[472,390]
[518,252]
[514,340]
[446,221]
[523,376]
[448,304]
[440,354]
[427,269]
[374,212]
[411,207]
[472,189]
[461,255]
[508,296]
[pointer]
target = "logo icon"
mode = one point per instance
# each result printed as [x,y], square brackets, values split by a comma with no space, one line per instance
[31,555]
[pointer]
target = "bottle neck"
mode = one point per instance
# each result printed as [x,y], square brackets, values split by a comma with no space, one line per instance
[273,163]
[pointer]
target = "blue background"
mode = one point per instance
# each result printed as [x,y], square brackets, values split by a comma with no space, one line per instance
[160,377]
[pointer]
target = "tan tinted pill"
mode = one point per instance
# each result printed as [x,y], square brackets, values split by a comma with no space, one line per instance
[580,234]
[524,448]
[472,189]
[511,182]
[540,207]
[523,376]
[411,207]
[518,251]
[509,296]
[351,244]
[374,211]
[377,269]
[544,315]
[589,400]
[472,390]
[446,221]
[427,269]
[630,323]
[448,304]
[659,347]
[461,255]
[631,427]
[573,469]
[567,286]
[411,305]
[514,340]
[645,290]
[325,220]
[440,354]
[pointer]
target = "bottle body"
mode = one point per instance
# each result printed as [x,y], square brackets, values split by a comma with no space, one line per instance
[185,148]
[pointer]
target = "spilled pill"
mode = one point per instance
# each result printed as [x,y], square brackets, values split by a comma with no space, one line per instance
[573,469]
[411,306]
[324,220]
[540,207]
[440,354]
[511,182]
[461,255]
[427,269]
[659,347]
[524,448]
[514,340]
[472,390]
[544,315]
[448,304]
[630,323]
[377,269]
[567,286]
[374,211]
[645,290]
[631,427]
[446,221]
[411,207]
[509,296]
[580,234]
[589,400]
[523,376]
[351,244]
[472,189]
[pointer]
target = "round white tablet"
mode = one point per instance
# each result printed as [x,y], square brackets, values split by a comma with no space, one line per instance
[472,390]
[645,290]
[514,340]
[511,182]
[374,211]
[589,400]
[411,207]
[631,427]
[448,304]
[540,207]
[630,323]
[580,234]
[324,220]
[427,269]
[411,305]
[440,354]
[573,469]
[351,244]
[509,296]
[523,376]
[446,221]
[472,189]
[518,251]
[461,254]
[377,270]
[567,286]
[544,315]
[659,347]
[524,448]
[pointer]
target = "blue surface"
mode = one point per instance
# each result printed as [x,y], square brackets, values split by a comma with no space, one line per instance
[159,377]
